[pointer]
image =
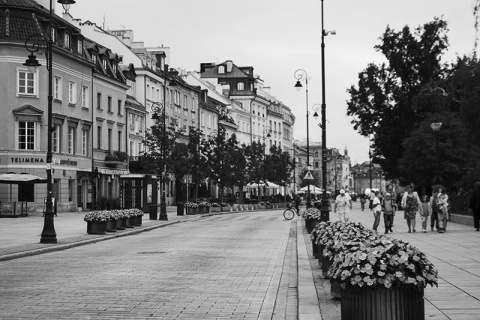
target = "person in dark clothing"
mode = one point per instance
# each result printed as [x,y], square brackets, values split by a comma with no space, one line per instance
[475,206]
[297,201]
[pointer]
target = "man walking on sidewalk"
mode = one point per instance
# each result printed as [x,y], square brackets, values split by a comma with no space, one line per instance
[343,203]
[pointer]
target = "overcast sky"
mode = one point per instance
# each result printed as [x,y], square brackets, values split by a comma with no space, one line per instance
[277,37]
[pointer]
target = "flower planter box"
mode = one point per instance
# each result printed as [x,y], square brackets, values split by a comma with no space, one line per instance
[129,222]
[111,226]
[269,206]
[215,209]
[206,209]
[121,223]
[378,303]
[137,220]
[310,224]
[335,289]
[261,206]
[224,209]
[191,211]
[96,227]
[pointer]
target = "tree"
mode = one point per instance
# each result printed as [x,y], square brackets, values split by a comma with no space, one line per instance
[254,155]
[278,166]
[196,162]
[382,104]
[235,163]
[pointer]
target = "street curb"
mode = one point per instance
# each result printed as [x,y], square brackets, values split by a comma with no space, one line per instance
[308,307]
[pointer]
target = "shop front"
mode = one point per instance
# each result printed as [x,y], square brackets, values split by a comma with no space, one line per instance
[68,188]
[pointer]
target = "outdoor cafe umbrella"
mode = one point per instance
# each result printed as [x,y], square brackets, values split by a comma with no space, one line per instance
[20,178]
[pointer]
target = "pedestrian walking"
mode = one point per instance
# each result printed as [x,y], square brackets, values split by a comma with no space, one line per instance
[389,207]
[442,203]
[377,210]
[434,206]
[425,212]
[363,199]
[410,203]
[474,206]
[343,205]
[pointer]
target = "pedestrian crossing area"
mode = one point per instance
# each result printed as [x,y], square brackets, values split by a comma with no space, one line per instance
[248,216]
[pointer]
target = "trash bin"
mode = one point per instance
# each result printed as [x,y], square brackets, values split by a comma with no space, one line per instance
[180,209]
[153,212]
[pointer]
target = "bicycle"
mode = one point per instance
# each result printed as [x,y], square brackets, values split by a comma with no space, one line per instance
[290,212]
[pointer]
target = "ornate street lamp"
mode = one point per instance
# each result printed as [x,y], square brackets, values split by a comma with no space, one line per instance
[33,44]
[156,108]
[325,212]
[301,75]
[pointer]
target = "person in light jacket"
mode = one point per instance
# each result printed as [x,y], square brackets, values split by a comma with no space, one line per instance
[410,203]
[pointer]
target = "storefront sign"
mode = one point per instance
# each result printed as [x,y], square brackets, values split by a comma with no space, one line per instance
[27,160]
[64,162]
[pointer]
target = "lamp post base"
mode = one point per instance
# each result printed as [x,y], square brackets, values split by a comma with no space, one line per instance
[163,210]
[48,233]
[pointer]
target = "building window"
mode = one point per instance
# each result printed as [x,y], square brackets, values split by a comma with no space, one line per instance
[119,106]
[71,140]
[104,63]
[72,92]
[240,86]
[79,46]
[26,82]
[26,135]
[109,137]
[114,67]
[56,136]
[67,41]
[57,88]
[84,97]
[94,59]
[99,137]
[221,69]
[85,141]
[119,141]
[99,100]
[109,104]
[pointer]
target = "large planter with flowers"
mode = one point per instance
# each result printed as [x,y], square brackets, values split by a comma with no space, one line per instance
[97,222]
[191,208]
[137,215]
[335,290]
[204,206]
[381,278]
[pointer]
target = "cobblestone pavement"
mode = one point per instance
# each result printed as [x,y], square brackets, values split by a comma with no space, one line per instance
[219,267]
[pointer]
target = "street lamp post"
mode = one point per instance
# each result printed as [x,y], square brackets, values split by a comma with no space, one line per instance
[436,128]
[40,42]
[301,75]
[325,212]
[156,107]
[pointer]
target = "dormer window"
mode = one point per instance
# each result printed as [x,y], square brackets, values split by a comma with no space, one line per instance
[67,41]
[114,67]
[104,62]
[221,69]
[79,46]
[240,86]
[94,59]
